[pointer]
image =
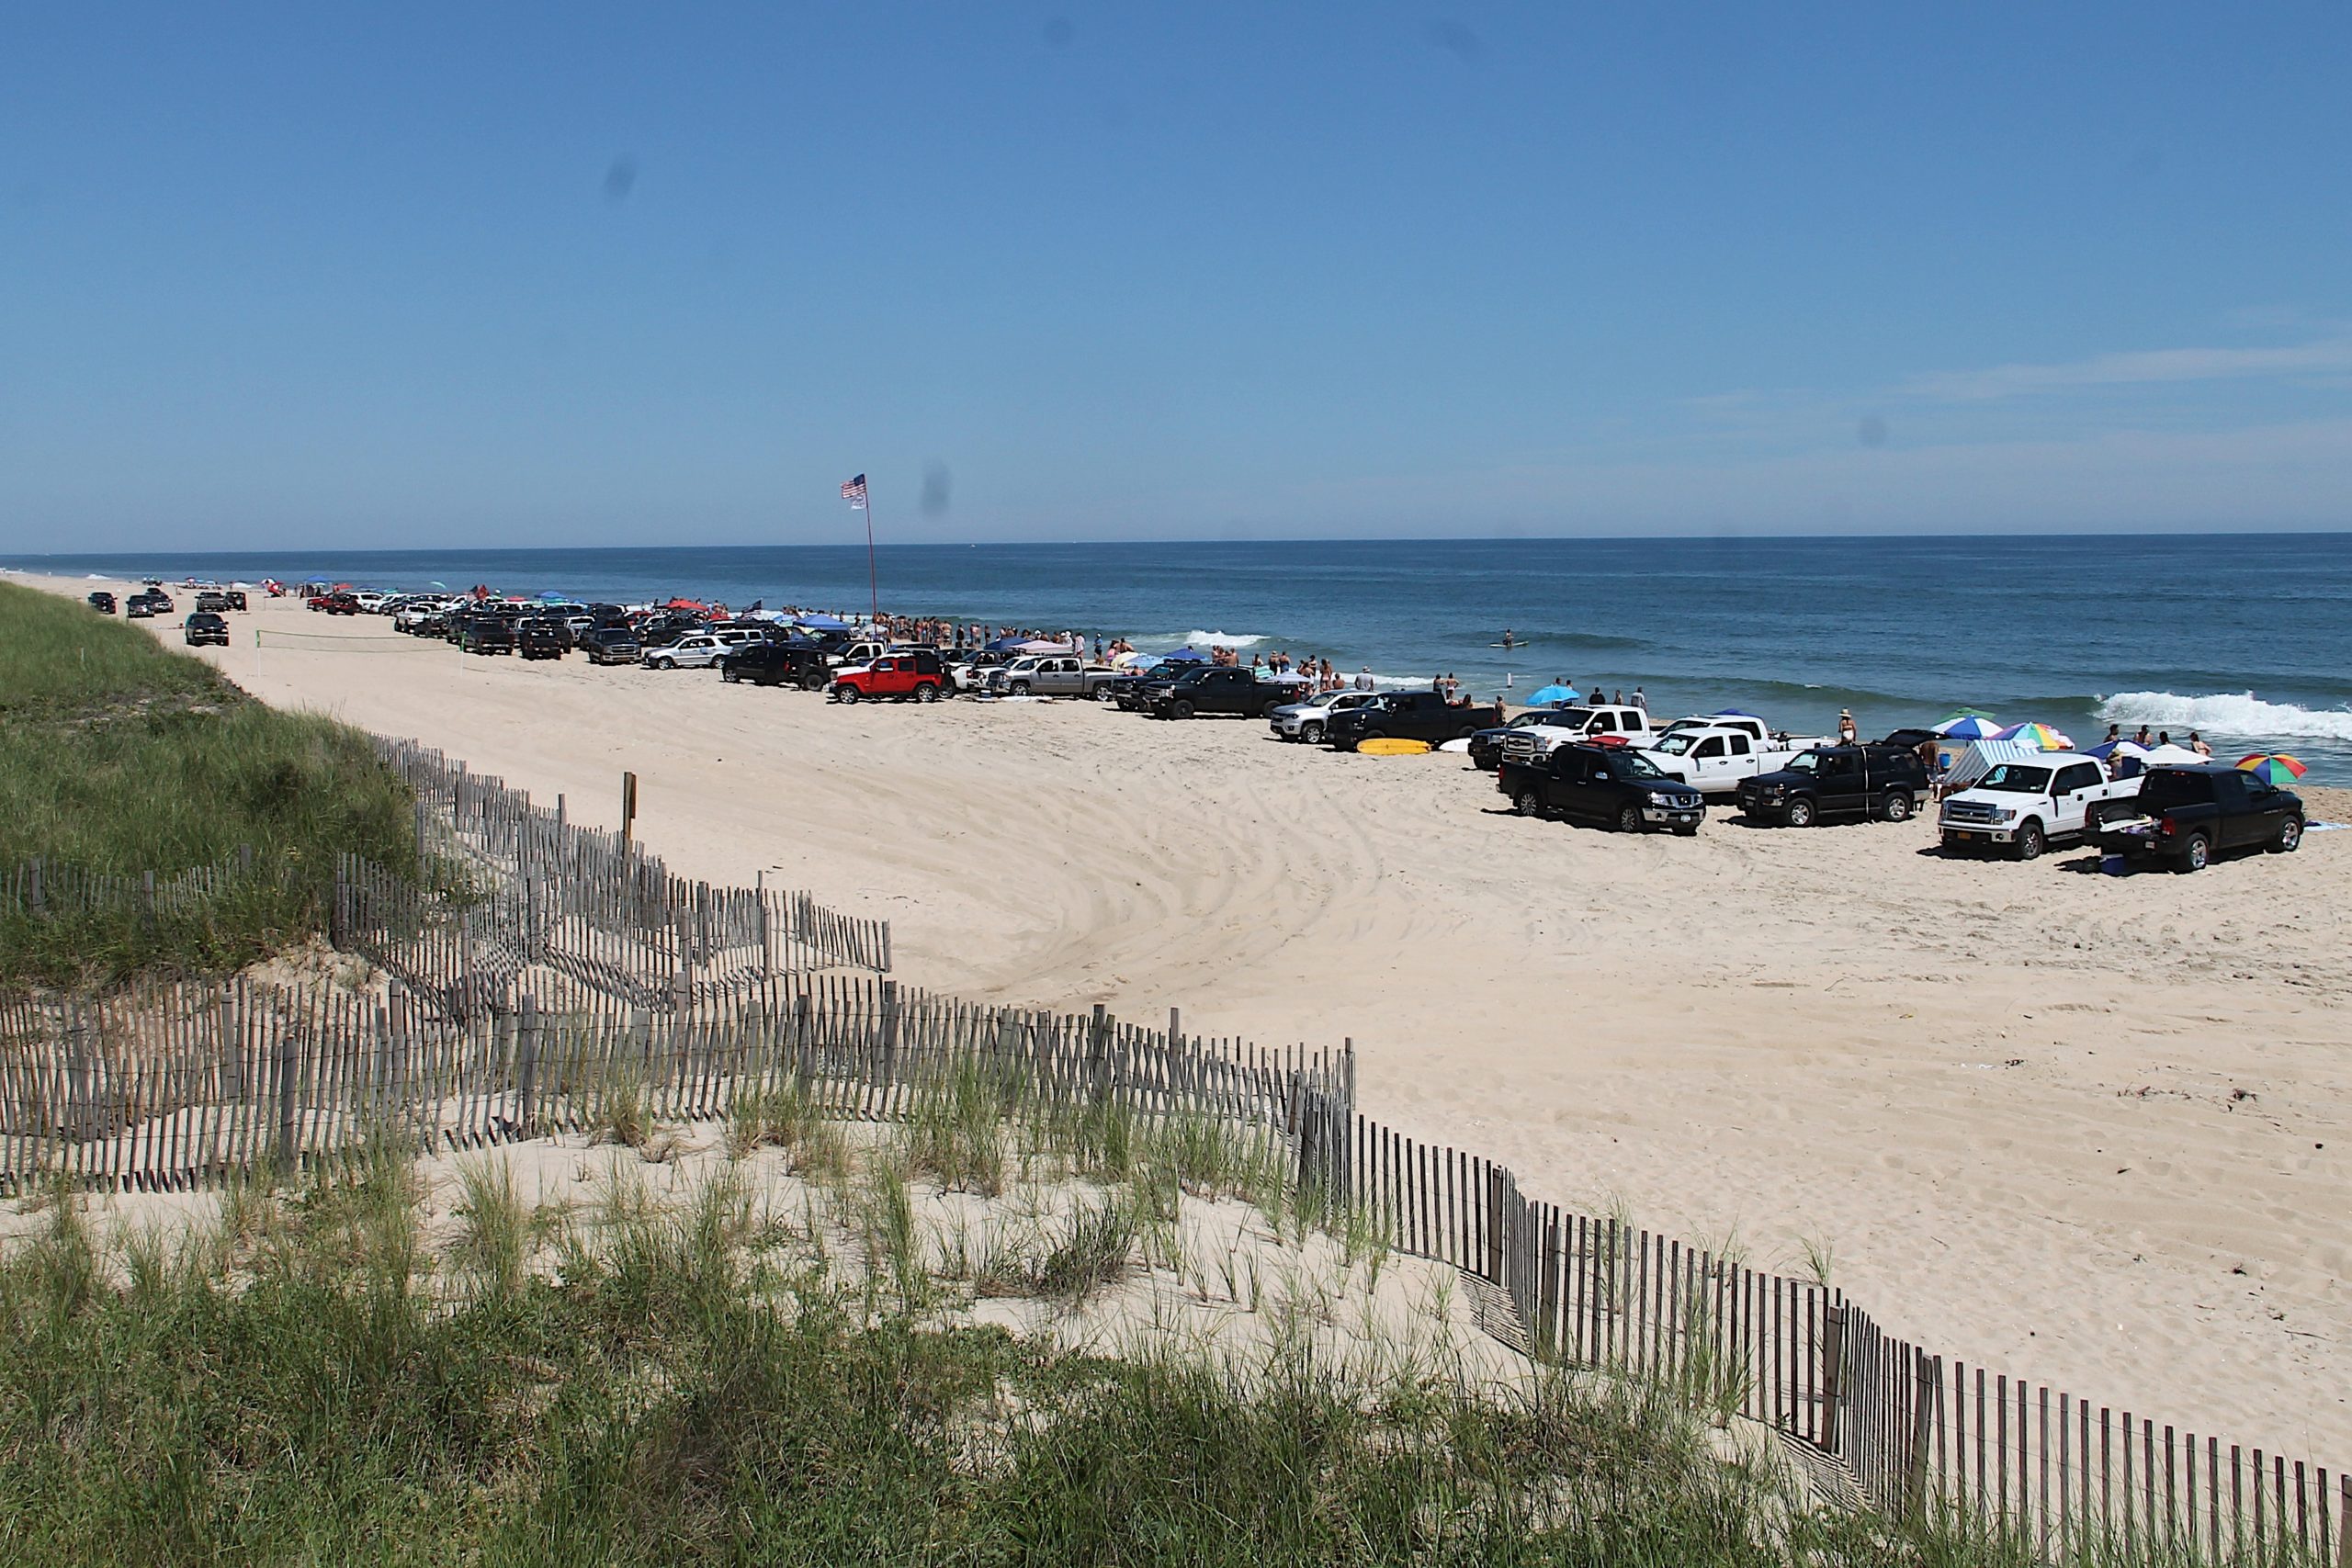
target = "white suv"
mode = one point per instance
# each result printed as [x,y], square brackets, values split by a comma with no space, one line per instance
[696,652]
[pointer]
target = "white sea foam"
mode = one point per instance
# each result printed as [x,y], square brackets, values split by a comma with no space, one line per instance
[2228,713]
[1224,639]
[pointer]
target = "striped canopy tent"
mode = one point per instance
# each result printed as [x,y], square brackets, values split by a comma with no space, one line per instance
[1983,756]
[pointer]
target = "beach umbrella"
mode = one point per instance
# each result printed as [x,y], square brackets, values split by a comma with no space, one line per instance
[1967,727]
[1550,697]
[2173,756]
[2040,735]
[2107,749]
[1730,712]
[1185,656]
[2276,768]
[1039,645]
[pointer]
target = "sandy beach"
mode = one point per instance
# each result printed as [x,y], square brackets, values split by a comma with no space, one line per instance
[2091,1131]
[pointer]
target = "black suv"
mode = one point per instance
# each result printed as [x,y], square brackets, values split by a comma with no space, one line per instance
[2191,813]
[1406,716]
[204,627]
[1873,780]
[102,602]
[610,645]
[1603,784]
[542,639]
[774,664]
[486,634]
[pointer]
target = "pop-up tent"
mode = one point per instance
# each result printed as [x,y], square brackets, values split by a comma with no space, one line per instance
[1981,757]
[1186,656]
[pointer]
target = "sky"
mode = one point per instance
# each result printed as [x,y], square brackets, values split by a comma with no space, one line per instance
[428,275]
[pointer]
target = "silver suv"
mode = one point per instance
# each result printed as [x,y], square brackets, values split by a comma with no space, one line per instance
[1308,721]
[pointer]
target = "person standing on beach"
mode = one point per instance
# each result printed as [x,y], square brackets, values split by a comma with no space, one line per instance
[2197,744]
[1363,679]
[2142,738]
[1640,701]
[1846,730]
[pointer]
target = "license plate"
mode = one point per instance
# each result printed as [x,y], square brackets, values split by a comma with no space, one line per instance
[1963,837]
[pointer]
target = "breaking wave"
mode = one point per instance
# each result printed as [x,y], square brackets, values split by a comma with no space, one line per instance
[1197,638]
[2238,713]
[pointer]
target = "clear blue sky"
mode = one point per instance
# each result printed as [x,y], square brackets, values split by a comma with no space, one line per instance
[431,274]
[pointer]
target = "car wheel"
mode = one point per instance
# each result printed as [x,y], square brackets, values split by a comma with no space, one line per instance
[1799,814]
[1179,710]
[1629,818]
[926,694]
[846,693]
[2290,834]
[1896,808]
[1311,733]
[727,672]
[2195,853]
[1104,695]
[1019,688]
[2030,841]
[1527,802]
[660,664]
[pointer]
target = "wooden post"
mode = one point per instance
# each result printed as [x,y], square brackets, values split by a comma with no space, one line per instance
[39,907]
[1097,1054]
[1495,1270]
[891,1025]
[628,809]
[288,1123]
[1927,1381]
[1833,1378]
[526,1066]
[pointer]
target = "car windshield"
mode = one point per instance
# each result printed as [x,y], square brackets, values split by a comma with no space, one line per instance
[1677,744]
[1810,762]
[2166,787]
[1632,765]
[2015,778]
[1568,718]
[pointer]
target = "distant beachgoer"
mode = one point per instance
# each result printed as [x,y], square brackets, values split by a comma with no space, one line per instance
[1437,685]
[1620,698]
[2164,736]
[1846,730]
[1363,679]
[1640,701]
[1508,639]
[2197,744]
[2114,733]
[2142,738]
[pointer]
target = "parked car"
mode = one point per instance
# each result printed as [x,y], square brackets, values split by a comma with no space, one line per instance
[1309,720]
[205,627]
[102,602]
[1618,723]
[610,645]
[337,603]
[540,639]
[800,664]
[211,601]
[1216,689]
[918,674]
[2188,815]
[1486,744]
[1408,716]
[1873,780]
[1137,690]
[1601,784]
[1051,676]
[486,634]
[236,597]
[1714,759]
[2026,806]
[697,650]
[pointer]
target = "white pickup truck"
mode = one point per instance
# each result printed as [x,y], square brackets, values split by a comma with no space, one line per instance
[1565,725]
[2025,806]
[1714,758]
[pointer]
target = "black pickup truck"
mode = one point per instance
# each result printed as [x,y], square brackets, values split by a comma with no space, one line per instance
[1871,780]
[1218,690]
[1136,691]
[2188,815]
[1406,716]
[1603,784]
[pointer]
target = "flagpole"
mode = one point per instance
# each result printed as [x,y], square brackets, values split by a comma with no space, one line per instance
[872,582]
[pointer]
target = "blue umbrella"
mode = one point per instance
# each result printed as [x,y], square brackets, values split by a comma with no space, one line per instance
[1730,712]
[1185,656]
[824,623]
[1551,696]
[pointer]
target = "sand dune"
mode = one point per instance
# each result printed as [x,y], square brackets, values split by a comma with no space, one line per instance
[2091,1131]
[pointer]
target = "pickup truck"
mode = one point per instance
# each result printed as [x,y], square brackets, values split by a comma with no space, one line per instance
[1486,744]
[1406,716]
[918,674]
[1215,689]
[2188,815]
[1136,691]
[1714,760]
[1308,721]
[1837,781]
[2026,806]
[1601,784]
[1051,676]
[1579,722]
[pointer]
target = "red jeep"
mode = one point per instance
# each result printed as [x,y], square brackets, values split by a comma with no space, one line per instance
[916,674]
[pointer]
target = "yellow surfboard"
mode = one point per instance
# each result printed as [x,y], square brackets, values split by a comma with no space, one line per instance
[1389,746]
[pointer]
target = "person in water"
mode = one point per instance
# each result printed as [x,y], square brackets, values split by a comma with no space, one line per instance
[1507,637]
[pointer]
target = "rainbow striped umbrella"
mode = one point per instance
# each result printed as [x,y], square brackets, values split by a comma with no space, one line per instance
[2039,736]
[2273,768]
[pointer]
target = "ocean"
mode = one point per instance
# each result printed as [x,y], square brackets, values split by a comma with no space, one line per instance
[2245,638]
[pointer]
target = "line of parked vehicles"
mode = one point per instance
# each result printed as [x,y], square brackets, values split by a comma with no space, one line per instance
[205,625]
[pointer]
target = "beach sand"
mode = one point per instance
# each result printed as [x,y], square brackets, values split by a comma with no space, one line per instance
[2094,1131]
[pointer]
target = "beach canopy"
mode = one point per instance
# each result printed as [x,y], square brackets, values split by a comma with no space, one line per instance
[1730,712]
[1550,697]
[2040,736]
[1967,727]
[2173,757]
[1039,645]
[2277,768]
[1185,656]
[685,604]
[1983,756]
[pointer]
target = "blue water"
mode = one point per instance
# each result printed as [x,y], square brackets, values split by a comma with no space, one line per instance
[2245,638]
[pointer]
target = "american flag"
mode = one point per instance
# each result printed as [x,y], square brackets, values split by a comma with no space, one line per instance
[854,493]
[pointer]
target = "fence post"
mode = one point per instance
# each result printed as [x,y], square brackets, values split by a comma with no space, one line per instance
[1097,1054]
[1833,1370]
[288,1121]
[338,915]
[1496,1225]
[890,1030]
[40,906]
[526,1065]
[1927,1382]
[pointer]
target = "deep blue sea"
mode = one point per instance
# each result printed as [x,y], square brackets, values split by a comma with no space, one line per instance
[2245,638]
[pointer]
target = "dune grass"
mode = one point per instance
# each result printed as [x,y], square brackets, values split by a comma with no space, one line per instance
[125,757]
